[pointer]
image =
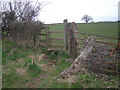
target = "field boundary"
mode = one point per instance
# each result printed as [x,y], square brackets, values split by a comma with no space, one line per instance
[74,41]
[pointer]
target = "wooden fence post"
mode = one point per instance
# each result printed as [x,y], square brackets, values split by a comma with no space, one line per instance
[75,29]
[65,35]
[73,41]
[47,37]
[76,66]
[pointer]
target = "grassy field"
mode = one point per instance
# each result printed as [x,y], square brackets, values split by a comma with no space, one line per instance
[106,28]
[28,69]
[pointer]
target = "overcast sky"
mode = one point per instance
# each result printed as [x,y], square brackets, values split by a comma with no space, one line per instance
[73,10]
[55,11]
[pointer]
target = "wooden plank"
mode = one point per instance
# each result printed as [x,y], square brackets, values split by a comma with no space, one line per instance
[109,63]
[81,43]
[81,39]
[103,64]
[42,34]
[54,49]
[60,38]
[97,42]
[56,31]
[106,70]
[106,43]
[42,40]
[56,45]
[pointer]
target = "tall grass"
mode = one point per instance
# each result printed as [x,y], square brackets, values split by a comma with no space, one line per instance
[33,68]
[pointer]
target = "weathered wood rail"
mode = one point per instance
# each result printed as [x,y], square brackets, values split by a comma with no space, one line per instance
[58,45]
[77,64]
[107,43]
[42,34]
[60,38]
[56,31]
[97,35]
[47,41]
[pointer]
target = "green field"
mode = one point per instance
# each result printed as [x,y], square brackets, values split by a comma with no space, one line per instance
[107,28]
[101,28]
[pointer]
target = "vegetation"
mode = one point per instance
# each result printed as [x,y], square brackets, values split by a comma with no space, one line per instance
[25,64]
[87,18]
[22,68]
[104,28]
[19,21]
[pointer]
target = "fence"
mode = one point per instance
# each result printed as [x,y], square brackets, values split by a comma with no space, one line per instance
[74,41]
[48,40]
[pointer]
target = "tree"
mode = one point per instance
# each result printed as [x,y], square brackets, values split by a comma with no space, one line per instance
[18,11]
[23,10]
[87,18]
[19,20]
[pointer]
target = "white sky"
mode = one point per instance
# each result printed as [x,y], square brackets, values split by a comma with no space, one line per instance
[73,10]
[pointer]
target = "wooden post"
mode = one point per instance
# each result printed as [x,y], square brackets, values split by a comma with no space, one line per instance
[76,65]
[75,29]
[47,37]
[65,35]
[73,41]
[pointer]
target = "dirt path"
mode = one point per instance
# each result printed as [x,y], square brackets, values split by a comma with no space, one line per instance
[34,82]
[48,70]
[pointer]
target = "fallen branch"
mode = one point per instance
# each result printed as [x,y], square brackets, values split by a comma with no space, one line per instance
[75,68]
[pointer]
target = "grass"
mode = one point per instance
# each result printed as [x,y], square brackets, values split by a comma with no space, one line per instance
[91,81]
[33,68]
[11,52]
[106,28]
[21,70]
[11,56]
[11,63]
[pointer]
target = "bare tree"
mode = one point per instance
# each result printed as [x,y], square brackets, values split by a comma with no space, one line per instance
[19,20]
[19,10]
[23,10]
[87,18]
